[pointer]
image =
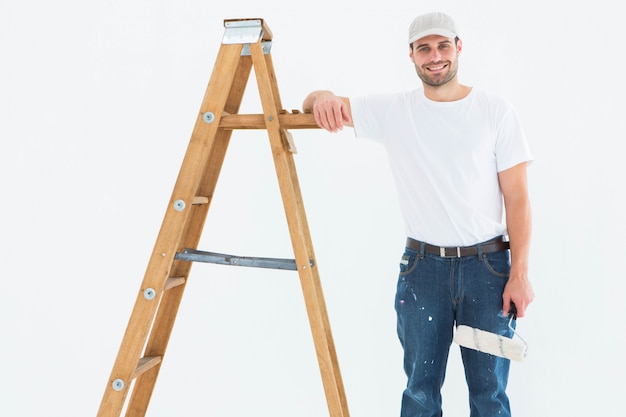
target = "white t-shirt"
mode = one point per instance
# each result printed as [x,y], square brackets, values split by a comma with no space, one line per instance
[445,157]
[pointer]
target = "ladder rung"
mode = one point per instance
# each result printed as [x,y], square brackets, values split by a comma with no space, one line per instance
[257,121]
[147,363]
[223,259]
[174,282]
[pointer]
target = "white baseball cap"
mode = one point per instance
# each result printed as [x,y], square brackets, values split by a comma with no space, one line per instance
[432,24]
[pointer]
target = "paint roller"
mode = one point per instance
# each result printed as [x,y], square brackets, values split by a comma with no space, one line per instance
[514,348]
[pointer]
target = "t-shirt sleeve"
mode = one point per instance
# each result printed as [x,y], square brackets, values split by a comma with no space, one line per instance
[368,115]
[511,144]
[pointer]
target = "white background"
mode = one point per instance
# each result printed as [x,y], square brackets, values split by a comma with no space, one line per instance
[98,100]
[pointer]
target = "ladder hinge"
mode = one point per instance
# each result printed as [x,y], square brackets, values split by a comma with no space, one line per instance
[242,31]
[267,46]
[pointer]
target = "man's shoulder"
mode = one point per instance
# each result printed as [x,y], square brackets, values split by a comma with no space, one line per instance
[387,99]
[491,97]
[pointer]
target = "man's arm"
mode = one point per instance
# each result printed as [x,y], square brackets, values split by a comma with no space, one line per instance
[514,188]
[331,111]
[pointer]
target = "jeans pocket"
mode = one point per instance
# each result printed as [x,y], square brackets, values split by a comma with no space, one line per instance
[498,263]
[408,262]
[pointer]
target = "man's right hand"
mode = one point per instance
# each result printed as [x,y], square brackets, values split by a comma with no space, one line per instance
[331,112]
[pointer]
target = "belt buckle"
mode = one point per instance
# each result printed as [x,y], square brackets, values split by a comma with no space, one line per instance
[443,254]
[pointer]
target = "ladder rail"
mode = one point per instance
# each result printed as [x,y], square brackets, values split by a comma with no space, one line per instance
[165,319]
[300,235]
[172,231]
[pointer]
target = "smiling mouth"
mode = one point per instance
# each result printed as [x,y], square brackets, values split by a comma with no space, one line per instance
[436,68]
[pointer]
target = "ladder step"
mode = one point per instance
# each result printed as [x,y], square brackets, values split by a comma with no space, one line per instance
[147,363]
[200,200]
[223,259]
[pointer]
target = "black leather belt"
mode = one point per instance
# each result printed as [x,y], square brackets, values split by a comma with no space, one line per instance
[494,245]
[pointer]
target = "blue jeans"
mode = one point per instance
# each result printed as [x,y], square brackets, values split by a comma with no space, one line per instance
[433,294]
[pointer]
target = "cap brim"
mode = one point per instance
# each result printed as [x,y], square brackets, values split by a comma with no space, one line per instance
[441,32]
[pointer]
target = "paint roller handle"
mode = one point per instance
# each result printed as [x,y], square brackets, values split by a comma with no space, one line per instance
[512,315]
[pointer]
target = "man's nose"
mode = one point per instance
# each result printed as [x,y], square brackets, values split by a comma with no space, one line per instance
[435,55]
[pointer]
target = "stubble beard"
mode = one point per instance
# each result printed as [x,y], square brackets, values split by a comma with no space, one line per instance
[426,79]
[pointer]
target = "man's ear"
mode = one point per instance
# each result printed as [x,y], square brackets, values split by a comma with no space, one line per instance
[411,52]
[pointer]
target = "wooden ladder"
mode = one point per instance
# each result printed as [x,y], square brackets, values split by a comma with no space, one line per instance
[246,43]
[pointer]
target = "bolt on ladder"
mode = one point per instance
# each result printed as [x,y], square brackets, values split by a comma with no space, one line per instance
[246,43]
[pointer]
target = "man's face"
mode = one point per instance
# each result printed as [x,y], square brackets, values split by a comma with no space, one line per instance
[436,59]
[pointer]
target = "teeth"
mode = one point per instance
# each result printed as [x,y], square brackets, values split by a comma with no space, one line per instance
[436,68]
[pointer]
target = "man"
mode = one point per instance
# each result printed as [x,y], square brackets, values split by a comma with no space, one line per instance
[459,157]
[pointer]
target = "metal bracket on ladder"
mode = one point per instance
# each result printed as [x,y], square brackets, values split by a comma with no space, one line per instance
[223,259]
[246,43]
[246,32]
[242,31]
